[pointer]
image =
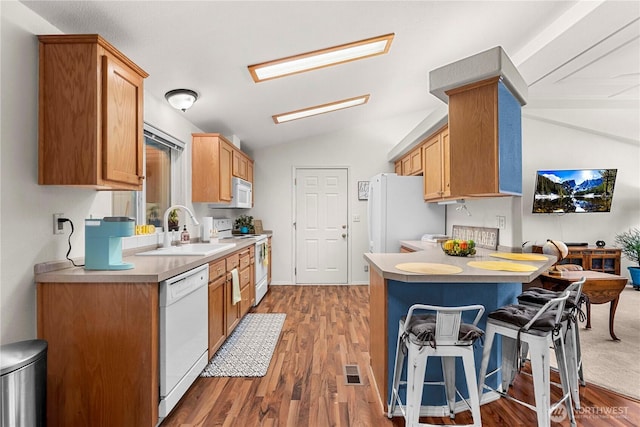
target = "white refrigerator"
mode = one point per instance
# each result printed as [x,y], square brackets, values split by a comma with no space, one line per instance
[397,211]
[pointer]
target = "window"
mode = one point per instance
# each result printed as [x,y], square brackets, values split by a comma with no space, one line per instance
[147,206]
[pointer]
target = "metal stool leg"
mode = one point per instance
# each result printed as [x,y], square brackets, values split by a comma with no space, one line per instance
[399,362]
[486,353]
[416,367]
[571,348]
[449,374]
[540,369]
[472,385]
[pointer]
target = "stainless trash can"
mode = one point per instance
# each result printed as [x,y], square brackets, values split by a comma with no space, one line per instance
[23,392]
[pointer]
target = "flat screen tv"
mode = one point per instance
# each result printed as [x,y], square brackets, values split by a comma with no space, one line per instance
[574,190]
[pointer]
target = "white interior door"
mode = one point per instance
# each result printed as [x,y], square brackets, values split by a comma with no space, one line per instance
[321,226]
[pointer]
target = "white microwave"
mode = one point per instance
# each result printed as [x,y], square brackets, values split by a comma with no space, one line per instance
[240,195]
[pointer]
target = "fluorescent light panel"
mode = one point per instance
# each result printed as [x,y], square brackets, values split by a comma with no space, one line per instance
[321,58]
[320,109]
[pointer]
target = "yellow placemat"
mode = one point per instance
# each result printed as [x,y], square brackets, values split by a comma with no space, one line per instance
[428,268]
[519,257]
[501,265]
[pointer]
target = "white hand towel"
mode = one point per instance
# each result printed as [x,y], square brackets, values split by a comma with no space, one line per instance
[235,285]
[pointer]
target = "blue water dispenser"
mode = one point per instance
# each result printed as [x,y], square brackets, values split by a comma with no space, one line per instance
[103,242]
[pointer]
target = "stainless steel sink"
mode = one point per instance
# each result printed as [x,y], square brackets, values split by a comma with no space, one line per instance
[193,249]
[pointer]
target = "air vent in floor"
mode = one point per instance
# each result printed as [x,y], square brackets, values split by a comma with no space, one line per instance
[352,375]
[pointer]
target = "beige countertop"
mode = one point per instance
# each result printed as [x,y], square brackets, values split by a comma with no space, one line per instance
[146,268]
[385,264]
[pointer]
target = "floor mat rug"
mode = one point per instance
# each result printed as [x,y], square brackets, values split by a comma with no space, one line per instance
[248,351]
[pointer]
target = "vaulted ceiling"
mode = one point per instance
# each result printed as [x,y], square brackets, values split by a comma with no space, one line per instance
[571,54]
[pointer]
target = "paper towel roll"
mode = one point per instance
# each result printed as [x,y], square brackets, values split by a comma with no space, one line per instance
[207,228]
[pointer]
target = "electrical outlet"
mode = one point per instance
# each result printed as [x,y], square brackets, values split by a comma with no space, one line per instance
[366,268]
[58,227]
[501,221]
[356,218]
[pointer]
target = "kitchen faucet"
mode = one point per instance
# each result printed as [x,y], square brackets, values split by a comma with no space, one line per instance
[166,243]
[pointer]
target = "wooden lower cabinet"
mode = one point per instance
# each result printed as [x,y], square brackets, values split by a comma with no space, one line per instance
[102,356]
[217,325]
[269,261]
[232,311]
[103,342]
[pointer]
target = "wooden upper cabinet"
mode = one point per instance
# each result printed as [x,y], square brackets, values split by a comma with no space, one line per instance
[436,166]
[211,164]
[250,171]
[241,165]
[90,114]
[416,161]
[485,128]
[406,165]
[410,164]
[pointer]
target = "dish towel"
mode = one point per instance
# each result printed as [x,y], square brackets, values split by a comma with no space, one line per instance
[265,251]
[235,285]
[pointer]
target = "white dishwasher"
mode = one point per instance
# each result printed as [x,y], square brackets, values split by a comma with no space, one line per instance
[183,334]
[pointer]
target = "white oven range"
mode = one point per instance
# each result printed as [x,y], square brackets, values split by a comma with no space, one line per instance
[261,261]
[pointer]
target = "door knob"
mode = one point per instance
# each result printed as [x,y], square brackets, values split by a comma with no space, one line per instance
[344,235]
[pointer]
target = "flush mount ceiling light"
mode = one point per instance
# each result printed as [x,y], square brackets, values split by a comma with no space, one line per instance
[321,58]
[181,99]
[320,109]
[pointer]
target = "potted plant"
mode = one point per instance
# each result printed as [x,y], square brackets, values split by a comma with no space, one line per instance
[629,242]
[244,224]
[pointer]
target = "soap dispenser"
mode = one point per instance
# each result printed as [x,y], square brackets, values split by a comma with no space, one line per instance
[184,236]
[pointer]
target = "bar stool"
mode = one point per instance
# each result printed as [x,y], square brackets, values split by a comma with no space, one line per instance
[539,328]
[435,335]
[537,297]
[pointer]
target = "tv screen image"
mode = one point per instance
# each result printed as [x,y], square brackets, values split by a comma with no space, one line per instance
[574,190]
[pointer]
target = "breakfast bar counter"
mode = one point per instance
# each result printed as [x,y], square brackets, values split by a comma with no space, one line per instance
[393,290]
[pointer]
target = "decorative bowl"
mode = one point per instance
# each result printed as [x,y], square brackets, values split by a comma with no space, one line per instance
[458,247]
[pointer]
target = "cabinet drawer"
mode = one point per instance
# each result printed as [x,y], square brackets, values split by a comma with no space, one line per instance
[245,261]
[233,261]
[245,277]
[217,269]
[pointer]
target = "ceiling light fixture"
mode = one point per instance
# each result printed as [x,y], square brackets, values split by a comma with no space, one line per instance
[181,99]
[320,109]
[321,58]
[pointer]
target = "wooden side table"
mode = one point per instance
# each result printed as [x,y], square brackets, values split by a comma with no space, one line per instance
[599,287]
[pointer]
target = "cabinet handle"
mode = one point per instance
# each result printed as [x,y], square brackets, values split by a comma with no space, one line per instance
[141,177]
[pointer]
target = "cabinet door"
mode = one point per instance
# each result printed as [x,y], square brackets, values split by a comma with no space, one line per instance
[398,167]
[250,171]
[240,165]
[269,261]
[433,168]
[406,165]
[250,178]
[232,312]
[122,123]
[226,159]
[217,330]
[416,161]
[446,163]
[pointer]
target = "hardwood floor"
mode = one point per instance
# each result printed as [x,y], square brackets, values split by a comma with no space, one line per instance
[327,328]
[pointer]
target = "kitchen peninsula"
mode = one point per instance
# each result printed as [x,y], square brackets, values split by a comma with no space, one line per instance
[392,291]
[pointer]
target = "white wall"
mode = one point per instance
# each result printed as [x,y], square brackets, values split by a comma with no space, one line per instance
[26,207]
[553,145]
[362,149]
